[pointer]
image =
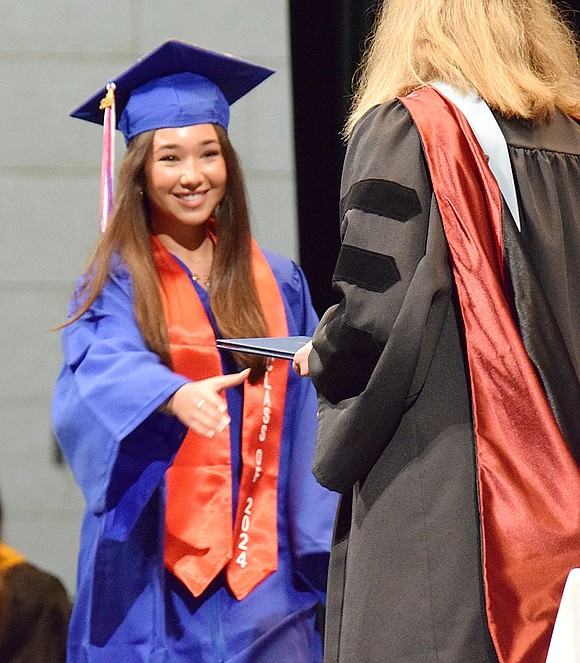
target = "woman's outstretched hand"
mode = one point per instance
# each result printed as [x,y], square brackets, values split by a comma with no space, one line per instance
[199,405]
[300,361]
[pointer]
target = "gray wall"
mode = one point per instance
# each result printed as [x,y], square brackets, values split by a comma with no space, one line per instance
[53,54]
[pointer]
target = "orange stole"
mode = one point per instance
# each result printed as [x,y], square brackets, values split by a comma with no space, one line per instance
[529,484]
[199,541]
[9,557]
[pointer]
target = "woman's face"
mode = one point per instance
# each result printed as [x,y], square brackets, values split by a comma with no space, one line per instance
[185,175]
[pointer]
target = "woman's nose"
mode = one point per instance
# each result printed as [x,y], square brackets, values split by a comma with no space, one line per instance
[191,174]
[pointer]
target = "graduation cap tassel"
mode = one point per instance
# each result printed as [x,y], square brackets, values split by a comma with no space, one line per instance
[108,156]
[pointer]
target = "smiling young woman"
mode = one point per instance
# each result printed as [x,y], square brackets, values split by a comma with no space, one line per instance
[210,543]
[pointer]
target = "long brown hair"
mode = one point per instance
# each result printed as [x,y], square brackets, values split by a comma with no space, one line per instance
[519,55]
[233,293]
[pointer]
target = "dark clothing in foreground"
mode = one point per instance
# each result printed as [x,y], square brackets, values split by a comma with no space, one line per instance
[406,579]
[37,612]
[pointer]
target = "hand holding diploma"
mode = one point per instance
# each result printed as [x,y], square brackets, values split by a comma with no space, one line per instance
[300,361]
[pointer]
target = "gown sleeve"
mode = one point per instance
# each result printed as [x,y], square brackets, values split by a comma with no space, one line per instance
[105,409]
[372,350]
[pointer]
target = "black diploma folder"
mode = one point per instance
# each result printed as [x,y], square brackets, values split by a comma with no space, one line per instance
[284,347]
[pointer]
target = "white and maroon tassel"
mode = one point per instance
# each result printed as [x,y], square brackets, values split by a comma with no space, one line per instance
[108,156]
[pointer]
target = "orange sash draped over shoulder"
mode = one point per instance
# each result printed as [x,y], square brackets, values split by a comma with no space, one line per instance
[199,539]
[529,483]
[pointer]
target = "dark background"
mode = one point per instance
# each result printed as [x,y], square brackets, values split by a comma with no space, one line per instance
[328,39]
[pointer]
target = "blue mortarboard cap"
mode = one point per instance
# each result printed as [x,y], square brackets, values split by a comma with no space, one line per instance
[176,85]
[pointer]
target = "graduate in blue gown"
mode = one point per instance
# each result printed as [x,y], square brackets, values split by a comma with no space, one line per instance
[205,536]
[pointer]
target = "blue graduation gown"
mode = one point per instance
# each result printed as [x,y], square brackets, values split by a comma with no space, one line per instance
[106,418]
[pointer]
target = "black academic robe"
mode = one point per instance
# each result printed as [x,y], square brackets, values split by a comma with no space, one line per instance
[389,362]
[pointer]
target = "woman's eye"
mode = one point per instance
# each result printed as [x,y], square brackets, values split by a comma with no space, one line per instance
[210,153]
[169,157]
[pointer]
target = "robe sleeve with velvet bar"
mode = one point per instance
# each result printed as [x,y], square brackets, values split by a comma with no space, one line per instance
[119,445]
[390,362]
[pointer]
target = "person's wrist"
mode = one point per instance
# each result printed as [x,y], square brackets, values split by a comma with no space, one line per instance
[167,407]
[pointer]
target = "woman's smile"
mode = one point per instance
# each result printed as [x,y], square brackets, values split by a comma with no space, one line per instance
[192,200]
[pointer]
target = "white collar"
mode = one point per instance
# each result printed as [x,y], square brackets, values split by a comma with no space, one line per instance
[489,135]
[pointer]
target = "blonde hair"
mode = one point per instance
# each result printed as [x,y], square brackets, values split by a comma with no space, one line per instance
[519,55]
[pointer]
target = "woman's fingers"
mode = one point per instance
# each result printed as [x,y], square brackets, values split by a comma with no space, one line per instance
[199,405]
[300,361]
[221,382]
[208,421]
[215,386]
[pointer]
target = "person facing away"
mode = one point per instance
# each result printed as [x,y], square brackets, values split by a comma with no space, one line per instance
[34,610]
[200,540]
[448,374]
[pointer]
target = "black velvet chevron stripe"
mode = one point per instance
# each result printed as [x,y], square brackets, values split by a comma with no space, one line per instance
[366,269]
[382,197]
